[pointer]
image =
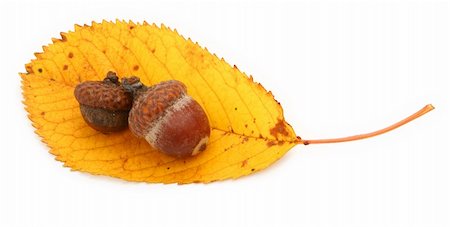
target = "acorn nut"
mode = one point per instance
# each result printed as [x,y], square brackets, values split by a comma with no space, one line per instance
[105,104]
[169,119]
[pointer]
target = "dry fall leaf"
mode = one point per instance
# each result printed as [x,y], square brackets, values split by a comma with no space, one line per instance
[248,128]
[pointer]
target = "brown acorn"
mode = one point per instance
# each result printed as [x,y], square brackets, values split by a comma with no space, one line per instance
[105,104]
[169,119]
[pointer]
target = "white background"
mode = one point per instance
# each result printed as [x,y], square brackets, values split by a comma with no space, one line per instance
[338,69]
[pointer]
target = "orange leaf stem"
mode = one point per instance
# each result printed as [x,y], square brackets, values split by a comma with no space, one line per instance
[419,113]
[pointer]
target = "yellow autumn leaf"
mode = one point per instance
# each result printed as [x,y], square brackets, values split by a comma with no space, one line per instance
[248,128]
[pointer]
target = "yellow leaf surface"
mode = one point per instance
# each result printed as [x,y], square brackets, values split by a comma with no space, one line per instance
[248,128]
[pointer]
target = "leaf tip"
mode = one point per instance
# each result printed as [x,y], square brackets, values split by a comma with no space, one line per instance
[38,54]
[63,36]
[77,27]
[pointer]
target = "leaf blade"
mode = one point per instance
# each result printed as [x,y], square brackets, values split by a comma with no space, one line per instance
[248,128]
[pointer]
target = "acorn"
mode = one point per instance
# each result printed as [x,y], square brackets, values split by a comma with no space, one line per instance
[168,118]
[105,104]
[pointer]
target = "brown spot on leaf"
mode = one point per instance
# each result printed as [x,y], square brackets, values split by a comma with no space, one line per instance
[279,129]
[70,55]
[40,70]
[271,143]
[136,67]
[244,163]
[65,67]
[42,113]
[29,69]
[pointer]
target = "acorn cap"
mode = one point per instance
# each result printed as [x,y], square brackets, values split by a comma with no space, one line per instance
[98,94]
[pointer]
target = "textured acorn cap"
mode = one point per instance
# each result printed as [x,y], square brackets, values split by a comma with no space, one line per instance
[98,94]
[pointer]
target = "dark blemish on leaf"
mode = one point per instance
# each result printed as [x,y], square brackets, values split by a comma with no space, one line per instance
[168,167]
[253,131]
[70,55]
[228,148]
[244,163]
[280,128]
[254,120]
[153,50]
[271,143]
[42,113]
[65,67]
[253,170]
[51,79]
[131,27]
[136,67]
[246,125]
[235,108]
[40,70]
[305,143]
[104,51]
[29,69]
